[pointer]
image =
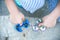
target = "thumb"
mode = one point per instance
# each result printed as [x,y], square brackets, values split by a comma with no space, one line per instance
[40,24]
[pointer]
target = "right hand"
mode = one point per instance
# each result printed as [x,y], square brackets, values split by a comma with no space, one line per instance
[17,18]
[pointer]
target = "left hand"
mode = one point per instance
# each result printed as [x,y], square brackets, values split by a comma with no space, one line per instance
[48,21]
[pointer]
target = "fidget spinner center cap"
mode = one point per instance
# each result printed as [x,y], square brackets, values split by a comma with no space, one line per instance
[42,28]
[35,28]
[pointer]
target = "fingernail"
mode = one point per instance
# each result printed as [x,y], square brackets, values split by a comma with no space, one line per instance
[21,24]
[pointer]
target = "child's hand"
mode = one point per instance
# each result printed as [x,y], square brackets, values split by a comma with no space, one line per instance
[48,21]
[17,18]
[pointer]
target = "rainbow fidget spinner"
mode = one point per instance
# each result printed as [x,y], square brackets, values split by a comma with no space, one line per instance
[36,27]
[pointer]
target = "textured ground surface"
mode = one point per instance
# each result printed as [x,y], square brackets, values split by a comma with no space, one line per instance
[7,29]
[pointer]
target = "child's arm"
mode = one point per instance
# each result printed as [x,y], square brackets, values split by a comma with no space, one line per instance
[15,15]
[56,12]
[12,7]
[50,20]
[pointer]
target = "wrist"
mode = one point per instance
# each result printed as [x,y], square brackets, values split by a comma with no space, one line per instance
[54,16]
[55,13]
[16,13]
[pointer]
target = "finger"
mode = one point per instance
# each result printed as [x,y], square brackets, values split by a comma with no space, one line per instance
[21,22]
[40,24]
[46,25]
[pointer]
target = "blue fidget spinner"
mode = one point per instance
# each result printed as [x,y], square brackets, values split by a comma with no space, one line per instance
[25,25]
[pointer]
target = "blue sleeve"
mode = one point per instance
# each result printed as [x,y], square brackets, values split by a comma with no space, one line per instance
[52,4]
